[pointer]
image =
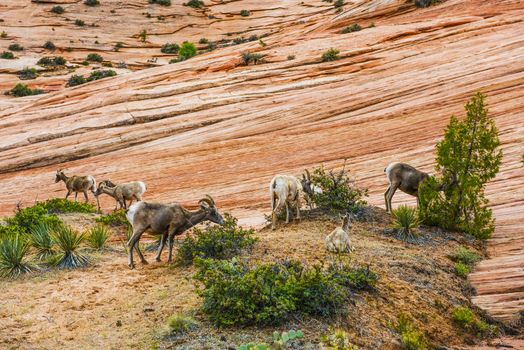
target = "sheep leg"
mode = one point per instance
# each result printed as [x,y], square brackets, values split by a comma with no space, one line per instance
[132,242]
[287,213]
[276,209]
[386,198]
[68,193]
[389,196]
[161,246]
[171,239]
[140,255]
[85,196]
[76,195]
[298,208]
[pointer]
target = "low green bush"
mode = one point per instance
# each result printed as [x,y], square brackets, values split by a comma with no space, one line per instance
[13,252]
[466,319]
[203,41]
[170,48]
[179,323]
[330,55]
[255,58]
[57,9]
[97,237]
[235,293]
[92,2]
[49,45]
[75,80]
[338,4]
[194,4]
[461,269]
[80,23]
[410,336]
[52,61]
[7,55]
[161,2]
[426,3]
[28,74]
[465,256]
[405,223]
[21,90]
[245,13]
[187,50]
[15,47]
[68,241]
[94,57]
[101,74]
[41,240]
[352,28]
[216,242]
[280,341]
[337,340]
[116,218]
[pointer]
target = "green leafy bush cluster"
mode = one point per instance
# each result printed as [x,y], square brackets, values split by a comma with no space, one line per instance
[28,74]
[161,2]
[330,55]
[21,90]
[405,223]
[13,256]
[216,242]
[7,55]
[235,293]
[187,50]
[15,47]
[410,336]
[57,9]
[80,23]
[245,13]
[426,3]
[97,237]
[94,57]
[467,320]
[49,45]
[75,79]
[355,27]
[468,157]
[339,192]
[92,2]
[255,58]
[464,259]
[116,218]
[194,4]
[170,48]
[52,61]
[179,323]
[337,340]
[280,341]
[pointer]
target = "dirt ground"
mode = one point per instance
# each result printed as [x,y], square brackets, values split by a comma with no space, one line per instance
[109,306]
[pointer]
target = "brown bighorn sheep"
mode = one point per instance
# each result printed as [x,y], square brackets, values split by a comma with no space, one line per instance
[338,240]
[285,190]
[76,184]
[309,188]
[122,192]
[168,220]
[408,179]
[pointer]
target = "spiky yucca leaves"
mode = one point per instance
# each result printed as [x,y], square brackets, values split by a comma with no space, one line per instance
[41,240]
[406,223]
[68,242]
[13,250]
[97,237]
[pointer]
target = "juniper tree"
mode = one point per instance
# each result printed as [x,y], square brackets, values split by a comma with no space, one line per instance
[467,158]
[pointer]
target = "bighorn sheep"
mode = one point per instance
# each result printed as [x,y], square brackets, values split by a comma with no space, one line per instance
[168,220]
[76,184]
[309,188]
[285,190]
[338,240]
[122,192]
[407,179]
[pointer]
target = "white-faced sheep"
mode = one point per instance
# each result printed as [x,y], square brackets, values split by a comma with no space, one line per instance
[123,192]
[168,220]
[76,184]
[338,240]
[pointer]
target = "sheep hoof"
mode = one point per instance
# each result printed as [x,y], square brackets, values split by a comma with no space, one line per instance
[131,266]
[158,259]
[144,262]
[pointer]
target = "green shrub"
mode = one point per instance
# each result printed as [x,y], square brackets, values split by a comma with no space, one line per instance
[235,293]
[330,55]
[194,4]
[101,74]
[410,337]
[28,74]
[7,55]
[161,2]
[255,58]
[29,217]
[58,10]
[94,57]
[245,13]
[15,47]
[97,237]
[468,157]
[426,3]
[461,269]
[338,4]
[339,192]
[41,240]
[280,341]
[352,28]
[13,251]
[143,35]
[116,218]
[203,41]
[290,57]
[21,90]
[179,323]
[187,50]
[68,243]
[92,2]
[170,48]
[79,22]
[3,34]
[75,80]
[465,256]
[406,223]
[52,61]
[468,321]
[337,340]
[216,242]
[49,45]
[356,279]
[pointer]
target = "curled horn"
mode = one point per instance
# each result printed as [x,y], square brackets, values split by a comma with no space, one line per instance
[208,200]
[211,199]
[308,175]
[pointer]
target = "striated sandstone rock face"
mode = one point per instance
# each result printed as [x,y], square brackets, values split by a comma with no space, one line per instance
[212,125]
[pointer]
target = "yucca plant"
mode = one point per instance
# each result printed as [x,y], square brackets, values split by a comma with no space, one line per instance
[41,240]
[406,223]
[68,242]
[13,250]
[97,237]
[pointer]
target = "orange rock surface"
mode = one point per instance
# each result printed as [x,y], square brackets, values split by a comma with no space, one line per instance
[212,125]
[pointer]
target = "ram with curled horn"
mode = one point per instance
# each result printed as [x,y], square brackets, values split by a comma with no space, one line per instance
[169,221]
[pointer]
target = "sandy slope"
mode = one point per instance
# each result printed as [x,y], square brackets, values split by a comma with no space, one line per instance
[211,125]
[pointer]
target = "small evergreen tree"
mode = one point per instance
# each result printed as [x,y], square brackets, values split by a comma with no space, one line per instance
[468,157]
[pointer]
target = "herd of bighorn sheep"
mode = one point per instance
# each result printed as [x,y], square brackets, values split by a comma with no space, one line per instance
[172,220]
